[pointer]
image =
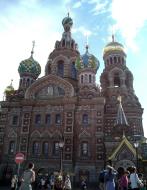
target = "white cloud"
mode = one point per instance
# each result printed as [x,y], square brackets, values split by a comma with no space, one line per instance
[130,17]
[82,30]
[77,4]
[99,7]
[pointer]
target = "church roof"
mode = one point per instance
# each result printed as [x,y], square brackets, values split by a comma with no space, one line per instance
[121,144]
[121,119]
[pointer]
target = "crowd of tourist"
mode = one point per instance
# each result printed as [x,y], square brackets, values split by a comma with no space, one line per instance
[109,179]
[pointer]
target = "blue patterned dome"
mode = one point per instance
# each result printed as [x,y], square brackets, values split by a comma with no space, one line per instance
[87,61]
[29,66]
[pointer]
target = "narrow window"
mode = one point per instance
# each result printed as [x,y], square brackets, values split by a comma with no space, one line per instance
[38,119]
[85,119]
[35,148]
[84,149]
[45,148]
[115,60]
[48,119]
[15,120]
[58,119]
[111,60]
[11,147]
[89,78]
[56,148]
[82,79]
[60,68]
[116,80]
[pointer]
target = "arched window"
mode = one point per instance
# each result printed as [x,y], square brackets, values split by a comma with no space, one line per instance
[116,80]
[85,78]
[115,60]
[11,147]
[58,119]
[85,119]
[28,82]
[45,148]
[118,59]
[89,78]
[56,148]
[36,148]
[73,71]
[81,78]
[60,68]
[111,60]
[84,148]
[38,119]
[63,43]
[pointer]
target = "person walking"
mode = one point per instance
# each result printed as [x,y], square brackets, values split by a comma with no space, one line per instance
[109,178]
[14,182]
[124,181]
[134,179]
[67,183]
[27,178]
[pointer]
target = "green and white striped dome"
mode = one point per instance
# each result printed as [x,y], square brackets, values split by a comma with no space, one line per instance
[29,67]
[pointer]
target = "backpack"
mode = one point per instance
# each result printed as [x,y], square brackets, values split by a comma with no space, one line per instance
[102,176]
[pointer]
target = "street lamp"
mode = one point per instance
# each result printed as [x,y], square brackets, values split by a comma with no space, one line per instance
[61,145]
[136,144]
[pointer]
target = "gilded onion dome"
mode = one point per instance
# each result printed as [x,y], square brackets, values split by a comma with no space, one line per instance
[9,90]
[113,47]
[87,61]
[29,67]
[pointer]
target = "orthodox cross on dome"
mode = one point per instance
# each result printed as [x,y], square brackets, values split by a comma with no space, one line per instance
[11,82]
[68,14]
[87,46]
[113,38]
[33,45]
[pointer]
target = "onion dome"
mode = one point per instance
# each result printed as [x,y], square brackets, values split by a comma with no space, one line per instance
[29,67]
[87,61]
[9,90]
[67,23]
[113,47]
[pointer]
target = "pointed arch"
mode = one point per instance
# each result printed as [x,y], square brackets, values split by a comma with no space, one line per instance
[12,134]
[46,134]
[57,134]
[84,134]
[45,82]
[36,134]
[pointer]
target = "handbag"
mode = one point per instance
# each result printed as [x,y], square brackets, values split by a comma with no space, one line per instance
[139,183]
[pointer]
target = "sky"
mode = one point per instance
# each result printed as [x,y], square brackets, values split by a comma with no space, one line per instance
[22,21]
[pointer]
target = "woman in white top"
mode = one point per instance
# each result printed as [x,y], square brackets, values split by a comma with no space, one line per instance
[134,179]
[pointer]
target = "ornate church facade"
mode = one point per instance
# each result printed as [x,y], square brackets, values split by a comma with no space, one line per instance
[66,105]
